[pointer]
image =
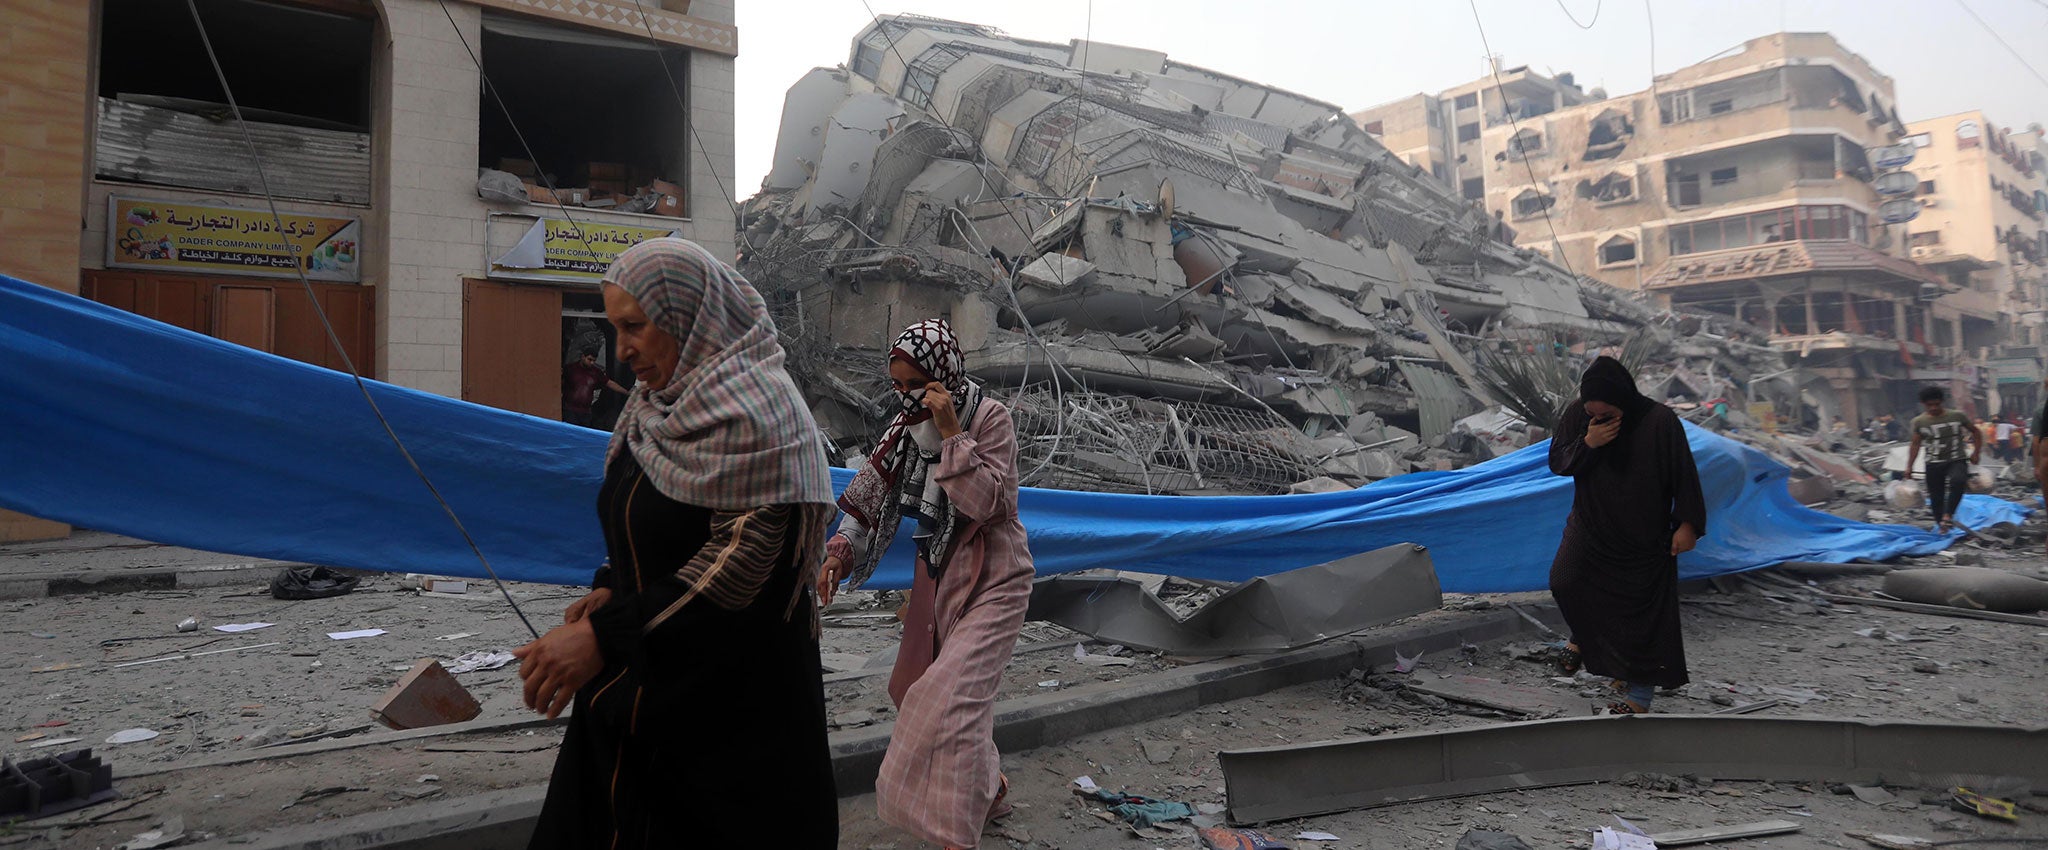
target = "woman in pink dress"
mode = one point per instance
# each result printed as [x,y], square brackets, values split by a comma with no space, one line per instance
[949,465]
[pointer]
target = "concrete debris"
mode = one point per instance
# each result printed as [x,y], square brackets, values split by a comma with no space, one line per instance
[1182,282]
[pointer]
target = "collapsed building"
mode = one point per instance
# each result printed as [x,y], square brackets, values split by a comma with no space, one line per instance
[1182,281]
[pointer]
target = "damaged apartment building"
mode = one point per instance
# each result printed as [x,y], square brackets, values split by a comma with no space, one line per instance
[1762,187]
[1183,281]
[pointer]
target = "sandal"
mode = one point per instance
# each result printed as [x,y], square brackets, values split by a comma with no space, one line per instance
[1625,707]
[1568,660]
[1000,809]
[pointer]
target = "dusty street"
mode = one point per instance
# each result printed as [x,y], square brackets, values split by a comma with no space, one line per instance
[290,683]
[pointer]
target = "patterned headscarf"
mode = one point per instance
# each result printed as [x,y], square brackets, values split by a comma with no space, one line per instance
[730,431]
[897,480]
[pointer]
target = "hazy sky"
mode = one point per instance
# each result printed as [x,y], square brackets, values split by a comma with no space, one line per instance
[1358,53]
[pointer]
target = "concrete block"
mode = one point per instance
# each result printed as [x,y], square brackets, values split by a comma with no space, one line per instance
[426,696]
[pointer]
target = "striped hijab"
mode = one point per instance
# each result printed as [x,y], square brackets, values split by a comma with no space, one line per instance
[730,431]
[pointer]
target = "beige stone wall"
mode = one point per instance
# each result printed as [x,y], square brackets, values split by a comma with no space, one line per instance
[45,85]
[436,223]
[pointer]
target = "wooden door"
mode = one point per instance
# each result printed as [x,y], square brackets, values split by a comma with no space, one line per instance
[266,315]
[246,316]
[512,347]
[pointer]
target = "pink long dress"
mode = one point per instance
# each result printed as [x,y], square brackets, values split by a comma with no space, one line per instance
[939,779]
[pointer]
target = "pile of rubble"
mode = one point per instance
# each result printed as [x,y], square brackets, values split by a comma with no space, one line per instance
[1182,281]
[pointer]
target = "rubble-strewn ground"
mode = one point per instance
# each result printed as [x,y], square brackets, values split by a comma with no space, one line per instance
[1744,646]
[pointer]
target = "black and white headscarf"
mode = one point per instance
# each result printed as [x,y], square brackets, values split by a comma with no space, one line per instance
[898,479]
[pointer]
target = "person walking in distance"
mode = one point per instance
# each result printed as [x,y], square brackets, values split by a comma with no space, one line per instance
[1941,433]
[581,380]
[2040,452]
[1636,506]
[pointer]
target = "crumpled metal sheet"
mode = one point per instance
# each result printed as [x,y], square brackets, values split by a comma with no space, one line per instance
[1282,783]
[1266,614]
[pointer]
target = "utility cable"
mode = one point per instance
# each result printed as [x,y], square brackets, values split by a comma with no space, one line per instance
[277,219]
[492,89]
[1575,19]
[2020,57]
[710,167]
[1534,184]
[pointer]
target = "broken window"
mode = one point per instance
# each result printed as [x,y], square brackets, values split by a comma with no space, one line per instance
[1721,106]
[1925,239]
[1613,187]
[1475,189]
[1526,142]
[1608,134]
[160,104]
[1532,202]
[1377,128]
[1468,132]
[867,58]
[923,75]
[1467,100]
[1617,251]
[1675,107]
[1969,134]
[1723,176]
[539,69]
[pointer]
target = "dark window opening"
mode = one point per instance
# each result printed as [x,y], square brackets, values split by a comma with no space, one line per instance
[1526,142]
[1468,132]
[923,75]
[269,51]
[1685,190]
[1617,250]
[1926,187]
[1607,135]
[867,57]
[1475,189]
[1377,128]
[545,73]
[1532,203]
[1720,106]
[1723,176]
[1466,101]
[1924,239]
[301,77]
[1613,187]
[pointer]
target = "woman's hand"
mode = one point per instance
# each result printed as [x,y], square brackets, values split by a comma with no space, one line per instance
[1683,539]
[558,665]
[1601,433]
[940,403]
[829,577]
[590,602]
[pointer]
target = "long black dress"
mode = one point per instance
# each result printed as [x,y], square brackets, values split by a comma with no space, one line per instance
[710,730]
[1614,578]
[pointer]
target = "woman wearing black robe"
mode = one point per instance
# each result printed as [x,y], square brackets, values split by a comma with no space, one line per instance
[1636,506]
[693,663]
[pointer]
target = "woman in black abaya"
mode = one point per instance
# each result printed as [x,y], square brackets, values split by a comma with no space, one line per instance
[1636,506]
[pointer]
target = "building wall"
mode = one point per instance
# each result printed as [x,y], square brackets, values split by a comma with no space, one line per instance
[45,81]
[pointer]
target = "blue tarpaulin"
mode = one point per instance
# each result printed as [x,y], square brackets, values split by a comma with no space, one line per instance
[116,422]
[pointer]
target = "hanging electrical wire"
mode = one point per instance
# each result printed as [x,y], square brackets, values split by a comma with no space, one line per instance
[711,168]
[2016,55]
[1544,199]
[334,339]
[1575,19]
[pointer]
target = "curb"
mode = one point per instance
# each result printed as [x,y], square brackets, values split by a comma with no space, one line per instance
[77,582]
[505,818]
